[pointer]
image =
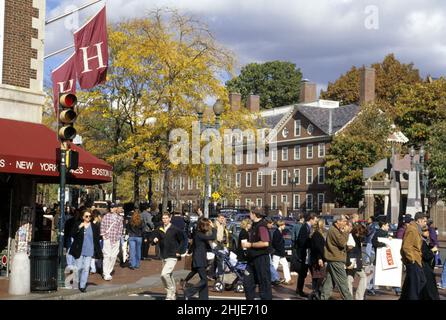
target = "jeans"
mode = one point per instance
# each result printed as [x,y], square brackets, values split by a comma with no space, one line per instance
[135,251]
[274,274]
[70,259]
[167,277]
[443,275]
[83,267]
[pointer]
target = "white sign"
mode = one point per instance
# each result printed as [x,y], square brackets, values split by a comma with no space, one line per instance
[389,267]
[2,38]
[329,104]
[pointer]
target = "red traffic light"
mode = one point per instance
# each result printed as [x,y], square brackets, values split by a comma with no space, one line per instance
[67,100]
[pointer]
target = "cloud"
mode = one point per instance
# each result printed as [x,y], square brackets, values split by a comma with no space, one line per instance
[323,37]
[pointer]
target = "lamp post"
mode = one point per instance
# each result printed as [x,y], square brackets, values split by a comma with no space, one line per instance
[420,169]
[218,109]
[293,181]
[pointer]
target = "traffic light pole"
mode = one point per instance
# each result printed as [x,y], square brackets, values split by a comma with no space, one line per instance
[63,171]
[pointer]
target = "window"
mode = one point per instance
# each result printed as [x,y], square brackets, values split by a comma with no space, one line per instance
[321,150]
[237,202]
[273,202]
[321,175]
[297,126]
[310,151]
[259,202]
[228,180]
[238,179]
[320,200]
[157,185]
[273,178]
[296,176]
[249,157]
[309,202]
[248,179]
[189,183]
[284,198]
[248,203]
[238,158]
[284,177]
[274,155]
[309,175]
[259,178]
[296,152]
[181,183]
[296,201]
[285,154]
[174,184]
[198,184]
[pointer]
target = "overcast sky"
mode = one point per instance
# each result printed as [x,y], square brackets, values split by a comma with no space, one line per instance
[323,37]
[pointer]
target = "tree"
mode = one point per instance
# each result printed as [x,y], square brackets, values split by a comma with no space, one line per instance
[390,75]
[161,67]
[276,82]
[360,145]
[436,157]
[418,107]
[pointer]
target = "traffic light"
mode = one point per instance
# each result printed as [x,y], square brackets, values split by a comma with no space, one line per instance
[67,116]
[72,159]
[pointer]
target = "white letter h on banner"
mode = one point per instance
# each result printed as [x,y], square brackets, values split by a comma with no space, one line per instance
[99,56]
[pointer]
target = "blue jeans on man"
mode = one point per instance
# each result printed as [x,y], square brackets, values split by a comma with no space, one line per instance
[135,251]
[443,275]
[83,267]
[274,274]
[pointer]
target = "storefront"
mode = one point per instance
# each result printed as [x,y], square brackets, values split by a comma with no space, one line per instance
[28,156]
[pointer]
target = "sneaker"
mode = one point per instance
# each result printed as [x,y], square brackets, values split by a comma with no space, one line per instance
[439,286]
[107,278]
[371,292]
[83,290]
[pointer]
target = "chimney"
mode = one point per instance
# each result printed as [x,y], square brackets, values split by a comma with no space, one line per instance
[235,101]
[367,85]
[307,92]
[253,103]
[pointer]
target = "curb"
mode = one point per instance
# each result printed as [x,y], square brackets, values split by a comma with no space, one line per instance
[144,284]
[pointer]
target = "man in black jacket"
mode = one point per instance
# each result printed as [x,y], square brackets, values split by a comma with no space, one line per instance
[170,241]
[303,244]
[258,267]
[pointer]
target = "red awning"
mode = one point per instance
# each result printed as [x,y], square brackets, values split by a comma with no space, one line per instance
[30,148]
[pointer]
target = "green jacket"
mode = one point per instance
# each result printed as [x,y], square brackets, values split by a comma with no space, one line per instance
[336,245]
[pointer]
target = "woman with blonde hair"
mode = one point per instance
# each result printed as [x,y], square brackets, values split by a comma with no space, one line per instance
[135,229]
[317,260]
[279,256]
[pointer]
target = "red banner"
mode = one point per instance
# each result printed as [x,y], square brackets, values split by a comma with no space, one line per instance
[91,50]
[64,80]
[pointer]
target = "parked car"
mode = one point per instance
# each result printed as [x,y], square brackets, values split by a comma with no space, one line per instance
[234,231]
[232,213]
[102,206]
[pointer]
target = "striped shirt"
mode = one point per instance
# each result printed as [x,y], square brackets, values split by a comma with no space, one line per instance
[111,227]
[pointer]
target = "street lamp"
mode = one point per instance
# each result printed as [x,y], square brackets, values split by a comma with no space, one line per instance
[420,170]
[218,109]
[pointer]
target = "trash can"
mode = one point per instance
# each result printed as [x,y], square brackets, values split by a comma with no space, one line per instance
[44,263]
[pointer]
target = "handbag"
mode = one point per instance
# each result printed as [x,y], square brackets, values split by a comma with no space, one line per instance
[295,263]
[188,262]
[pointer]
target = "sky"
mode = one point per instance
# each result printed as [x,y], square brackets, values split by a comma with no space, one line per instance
[324,38]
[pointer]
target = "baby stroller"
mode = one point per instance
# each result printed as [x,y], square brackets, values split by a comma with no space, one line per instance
[233,272]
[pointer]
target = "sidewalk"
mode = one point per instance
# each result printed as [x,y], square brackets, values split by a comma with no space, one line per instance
[125,281]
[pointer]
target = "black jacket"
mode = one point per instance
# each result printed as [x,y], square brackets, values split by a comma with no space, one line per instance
[241,254]
[135,231]
[430,291]
[303,242]
[78,236]
[200,247]
[380,233]
[317,244]
[170,242]
[254,236]
[278,243]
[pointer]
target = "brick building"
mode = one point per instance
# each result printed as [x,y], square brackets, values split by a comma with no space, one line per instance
[28,149]
[304,133]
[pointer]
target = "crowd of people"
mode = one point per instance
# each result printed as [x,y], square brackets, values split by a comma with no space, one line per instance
[333,257]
